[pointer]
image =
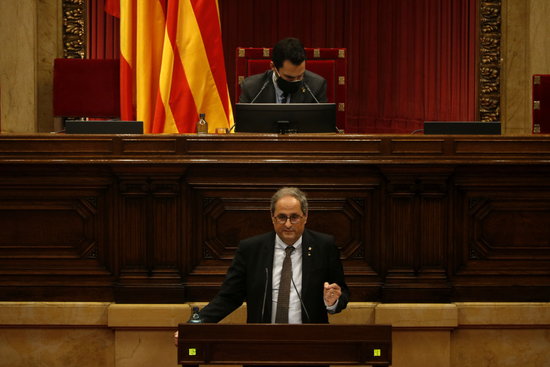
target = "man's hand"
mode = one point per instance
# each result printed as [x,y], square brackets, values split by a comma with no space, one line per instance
[331,293]
[176,338]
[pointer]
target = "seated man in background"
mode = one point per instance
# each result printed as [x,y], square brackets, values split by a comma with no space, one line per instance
[287,81]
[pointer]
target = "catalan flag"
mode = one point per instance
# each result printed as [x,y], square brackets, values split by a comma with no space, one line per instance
[172,64]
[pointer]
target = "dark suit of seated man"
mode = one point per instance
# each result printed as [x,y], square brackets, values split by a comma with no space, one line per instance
[315,285]
[287,81]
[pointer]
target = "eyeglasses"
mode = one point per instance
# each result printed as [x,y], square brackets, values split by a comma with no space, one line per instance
[294,218]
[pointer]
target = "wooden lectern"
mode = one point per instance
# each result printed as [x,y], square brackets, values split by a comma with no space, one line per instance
[284,344]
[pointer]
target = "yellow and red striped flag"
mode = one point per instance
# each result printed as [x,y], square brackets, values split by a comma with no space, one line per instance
[172,65]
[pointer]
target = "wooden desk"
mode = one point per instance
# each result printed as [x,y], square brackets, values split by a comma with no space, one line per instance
[157,218]
[278,344]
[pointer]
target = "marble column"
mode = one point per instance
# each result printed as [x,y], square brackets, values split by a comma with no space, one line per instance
[525,51]
[30,36]
[18,66]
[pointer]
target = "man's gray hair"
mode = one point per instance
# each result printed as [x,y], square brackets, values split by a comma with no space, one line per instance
[290,191]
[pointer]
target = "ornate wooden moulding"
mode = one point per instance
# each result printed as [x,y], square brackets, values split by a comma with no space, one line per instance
[74,29]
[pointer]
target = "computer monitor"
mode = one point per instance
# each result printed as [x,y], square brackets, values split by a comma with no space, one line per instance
[461,128]
[103,127]
[285,118]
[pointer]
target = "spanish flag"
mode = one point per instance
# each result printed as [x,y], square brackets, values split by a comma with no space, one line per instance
[172,65]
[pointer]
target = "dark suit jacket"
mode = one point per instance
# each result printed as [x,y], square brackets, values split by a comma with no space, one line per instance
[252,85]
[251,272]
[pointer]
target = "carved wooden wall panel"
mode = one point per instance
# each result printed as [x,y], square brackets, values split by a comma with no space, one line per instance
[54,232]
[75,37]
[149,231]
[158,218]
[504,233]
[416,233]
[232,203]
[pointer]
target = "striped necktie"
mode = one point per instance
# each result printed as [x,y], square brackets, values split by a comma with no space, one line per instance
[281,317]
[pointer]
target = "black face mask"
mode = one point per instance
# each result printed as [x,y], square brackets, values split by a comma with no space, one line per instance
[288,87]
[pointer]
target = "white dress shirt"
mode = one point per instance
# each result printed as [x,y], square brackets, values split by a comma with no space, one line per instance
[294,304]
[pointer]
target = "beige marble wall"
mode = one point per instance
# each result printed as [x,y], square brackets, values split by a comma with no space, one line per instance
[18,85]
[421,335]
[49,47]
[501,335]
[55,334]
[30,38]
[139,342]
[525,51]
[112,335]
[514,74]
[501,348]
[540,36]
[56,347]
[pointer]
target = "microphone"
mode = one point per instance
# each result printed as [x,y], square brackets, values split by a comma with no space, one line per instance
[261,90]
[316,100]
[195,316]
[310,92]
[300,298]
[265,294]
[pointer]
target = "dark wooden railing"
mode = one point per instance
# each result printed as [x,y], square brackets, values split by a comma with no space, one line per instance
[157,218]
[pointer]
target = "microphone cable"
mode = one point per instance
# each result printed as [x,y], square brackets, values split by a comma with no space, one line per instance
[265,294]
[261,90]
[310,92]
[300,298]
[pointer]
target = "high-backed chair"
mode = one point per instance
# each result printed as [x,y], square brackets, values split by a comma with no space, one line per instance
[86,88]
[541,104]
[330,63]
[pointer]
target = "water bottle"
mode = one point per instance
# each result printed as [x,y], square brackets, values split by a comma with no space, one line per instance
[195,317]
[202,125]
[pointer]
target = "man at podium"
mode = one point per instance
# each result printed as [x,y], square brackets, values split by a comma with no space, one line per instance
[287,81]
[290,275]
